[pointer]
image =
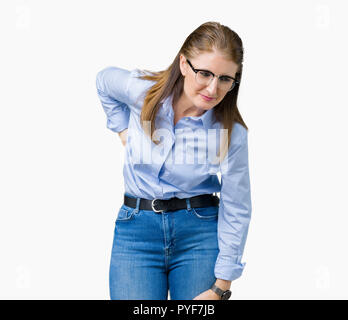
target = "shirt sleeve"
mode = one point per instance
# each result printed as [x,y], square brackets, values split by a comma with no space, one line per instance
[112,87]
[234,209]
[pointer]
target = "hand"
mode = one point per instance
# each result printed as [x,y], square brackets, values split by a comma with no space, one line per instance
[123,136]
[208,295]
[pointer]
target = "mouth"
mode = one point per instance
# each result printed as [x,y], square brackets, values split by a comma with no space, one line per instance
[206,98]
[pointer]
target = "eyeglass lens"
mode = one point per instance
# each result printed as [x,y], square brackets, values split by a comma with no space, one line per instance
[224,83]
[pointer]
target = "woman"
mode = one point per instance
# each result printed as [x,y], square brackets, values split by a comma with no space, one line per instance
[172,233]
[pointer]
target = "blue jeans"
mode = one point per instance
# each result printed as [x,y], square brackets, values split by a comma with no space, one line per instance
[156,252]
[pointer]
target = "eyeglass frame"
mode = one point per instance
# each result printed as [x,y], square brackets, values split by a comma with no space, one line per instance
[212,73]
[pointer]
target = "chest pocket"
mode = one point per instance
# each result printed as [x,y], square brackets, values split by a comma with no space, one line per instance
[188,163]
[202,151]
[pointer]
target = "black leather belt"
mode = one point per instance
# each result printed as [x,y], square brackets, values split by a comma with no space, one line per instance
[172,204]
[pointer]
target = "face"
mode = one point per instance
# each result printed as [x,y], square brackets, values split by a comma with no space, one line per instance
[214,62]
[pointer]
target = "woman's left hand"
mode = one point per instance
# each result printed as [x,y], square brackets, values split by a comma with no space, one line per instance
[207,295]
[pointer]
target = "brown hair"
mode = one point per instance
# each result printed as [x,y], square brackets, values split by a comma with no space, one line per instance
[206,38]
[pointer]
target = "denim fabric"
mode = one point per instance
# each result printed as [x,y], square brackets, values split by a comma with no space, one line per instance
[156,252]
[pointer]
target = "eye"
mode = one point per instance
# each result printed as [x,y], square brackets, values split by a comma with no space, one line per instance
[226,79]
[205,74]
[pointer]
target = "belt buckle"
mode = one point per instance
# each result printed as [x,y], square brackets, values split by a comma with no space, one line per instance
[152,205]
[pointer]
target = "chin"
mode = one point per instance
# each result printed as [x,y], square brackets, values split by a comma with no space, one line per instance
[205,105]
[202,106]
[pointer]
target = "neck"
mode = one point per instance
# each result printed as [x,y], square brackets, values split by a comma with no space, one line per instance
[185,108]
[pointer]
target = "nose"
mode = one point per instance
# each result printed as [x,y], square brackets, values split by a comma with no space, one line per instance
[212,87]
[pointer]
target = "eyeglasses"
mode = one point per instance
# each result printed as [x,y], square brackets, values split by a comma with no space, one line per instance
[204,77]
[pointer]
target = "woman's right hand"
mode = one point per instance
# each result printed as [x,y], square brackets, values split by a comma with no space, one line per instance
[123,136]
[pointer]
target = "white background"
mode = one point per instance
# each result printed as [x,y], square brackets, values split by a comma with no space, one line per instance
[61,180]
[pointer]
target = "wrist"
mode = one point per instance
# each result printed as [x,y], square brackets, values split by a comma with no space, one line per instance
[223,284]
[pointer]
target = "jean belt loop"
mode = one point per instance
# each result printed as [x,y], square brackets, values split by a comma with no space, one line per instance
[188,203]
[136,210]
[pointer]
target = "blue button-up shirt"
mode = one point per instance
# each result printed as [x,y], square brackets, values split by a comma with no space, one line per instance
[172,169]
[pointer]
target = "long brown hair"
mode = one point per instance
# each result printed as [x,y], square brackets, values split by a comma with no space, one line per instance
[206,38]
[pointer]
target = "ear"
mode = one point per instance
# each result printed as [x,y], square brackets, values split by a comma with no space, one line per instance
[183,65]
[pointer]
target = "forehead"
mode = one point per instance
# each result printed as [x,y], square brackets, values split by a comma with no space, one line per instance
[215,62]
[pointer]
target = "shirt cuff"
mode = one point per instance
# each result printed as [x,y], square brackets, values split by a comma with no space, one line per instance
[118,122]
[228,267]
